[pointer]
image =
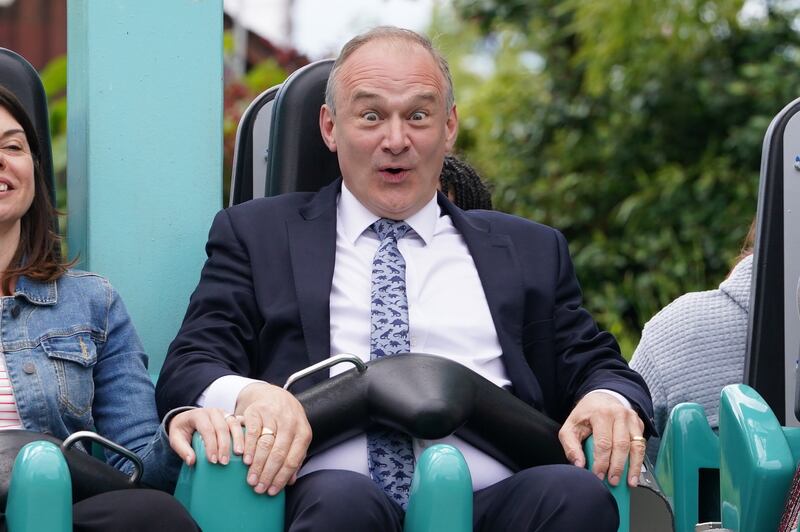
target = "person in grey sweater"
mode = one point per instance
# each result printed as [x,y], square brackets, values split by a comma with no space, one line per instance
[695,346]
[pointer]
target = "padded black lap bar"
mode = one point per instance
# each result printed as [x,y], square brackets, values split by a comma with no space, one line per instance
[431,397]
[89,475]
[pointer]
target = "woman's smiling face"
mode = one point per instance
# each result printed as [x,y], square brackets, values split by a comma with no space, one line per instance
[16,172]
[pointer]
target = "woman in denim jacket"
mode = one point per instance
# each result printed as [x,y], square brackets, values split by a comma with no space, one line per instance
[70,358]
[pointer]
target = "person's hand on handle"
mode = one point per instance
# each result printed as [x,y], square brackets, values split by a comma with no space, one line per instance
[617,432]
[277,436]
[215,426]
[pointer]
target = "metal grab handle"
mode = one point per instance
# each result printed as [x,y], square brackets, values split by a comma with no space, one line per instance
[328,362]
[138,466]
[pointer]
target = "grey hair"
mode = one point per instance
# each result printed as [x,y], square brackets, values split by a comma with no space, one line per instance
[390,33]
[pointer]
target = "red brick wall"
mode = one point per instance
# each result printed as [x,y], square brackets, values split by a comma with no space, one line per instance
[36,29]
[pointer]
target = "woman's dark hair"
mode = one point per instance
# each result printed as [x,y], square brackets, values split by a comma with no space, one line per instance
[467,188]
[38,254]
[749,243]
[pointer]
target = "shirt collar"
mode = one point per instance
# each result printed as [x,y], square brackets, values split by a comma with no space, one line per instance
[36,292]
[355,218]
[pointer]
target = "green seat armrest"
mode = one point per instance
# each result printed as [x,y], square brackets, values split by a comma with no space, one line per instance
[219,498]
[440,499]
[687,446]
[40,490]
[620,492]
[756,461]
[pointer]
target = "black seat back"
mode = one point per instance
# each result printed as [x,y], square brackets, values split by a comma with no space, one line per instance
[18,76]
[278,144]
[774,322]
[299,160]
[250,154]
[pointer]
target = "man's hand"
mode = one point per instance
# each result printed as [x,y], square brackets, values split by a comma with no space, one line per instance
[617,432]
[277,436]
[216,429]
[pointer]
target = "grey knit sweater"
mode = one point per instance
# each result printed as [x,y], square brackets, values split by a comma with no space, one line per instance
[694,347]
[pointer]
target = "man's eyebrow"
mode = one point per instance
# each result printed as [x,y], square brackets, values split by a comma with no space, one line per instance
[361,95]
[427,96]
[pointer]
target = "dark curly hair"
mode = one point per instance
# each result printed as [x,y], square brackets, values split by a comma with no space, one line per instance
[462,183]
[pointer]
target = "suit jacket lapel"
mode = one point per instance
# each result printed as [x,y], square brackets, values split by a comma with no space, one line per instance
[312,248]
[500,273]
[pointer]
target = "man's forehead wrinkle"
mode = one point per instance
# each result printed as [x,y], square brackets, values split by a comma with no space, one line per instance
[361,94]
[362,88]
[363,70]
[360,72]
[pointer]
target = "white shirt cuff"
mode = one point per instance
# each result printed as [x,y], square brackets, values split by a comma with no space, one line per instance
[223,392]
[621,398]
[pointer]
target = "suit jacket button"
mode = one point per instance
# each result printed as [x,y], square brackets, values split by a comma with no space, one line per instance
[29,368]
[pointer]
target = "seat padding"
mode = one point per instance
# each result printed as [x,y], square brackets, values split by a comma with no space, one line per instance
[431,397]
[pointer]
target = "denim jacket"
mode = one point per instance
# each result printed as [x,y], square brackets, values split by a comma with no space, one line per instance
[76,363]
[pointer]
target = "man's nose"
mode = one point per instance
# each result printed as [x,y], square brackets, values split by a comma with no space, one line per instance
[396,138]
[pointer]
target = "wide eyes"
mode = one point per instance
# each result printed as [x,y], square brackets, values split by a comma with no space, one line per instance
[372,116]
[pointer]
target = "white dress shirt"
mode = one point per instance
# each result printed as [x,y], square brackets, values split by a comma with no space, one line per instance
[448,316]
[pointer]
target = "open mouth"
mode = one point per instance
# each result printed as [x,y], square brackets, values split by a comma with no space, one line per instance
[394,173]
[4,187]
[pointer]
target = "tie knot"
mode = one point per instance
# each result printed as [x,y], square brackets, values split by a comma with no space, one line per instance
[386,228]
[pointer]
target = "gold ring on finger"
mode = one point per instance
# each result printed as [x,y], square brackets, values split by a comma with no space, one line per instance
[229,416]
[266,431]
[639,439]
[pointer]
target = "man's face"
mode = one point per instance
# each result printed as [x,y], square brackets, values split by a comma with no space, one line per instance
[392,128]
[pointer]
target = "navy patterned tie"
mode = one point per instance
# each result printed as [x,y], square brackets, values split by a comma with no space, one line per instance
[391,456]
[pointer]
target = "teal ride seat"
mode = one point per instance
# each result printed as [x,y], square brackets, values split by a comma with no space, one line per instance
[441,480]
[219,499]
[757,461]
[688,447]
[40,491]
[621,492]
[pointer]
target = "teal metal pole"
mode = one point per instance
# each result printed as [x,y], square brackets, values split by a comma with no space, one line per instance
[144,150]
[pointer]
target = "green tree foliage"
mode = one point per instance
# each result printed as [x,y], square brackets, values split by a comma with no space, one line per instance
[54,80]
[635,127]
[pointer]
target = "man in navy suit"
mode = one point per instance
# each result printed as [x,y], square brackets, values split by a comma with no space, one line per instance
[287,283]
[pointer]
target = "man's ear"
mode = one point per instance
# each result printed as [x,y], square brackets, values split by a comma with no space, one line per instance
[326,127]
[451,129]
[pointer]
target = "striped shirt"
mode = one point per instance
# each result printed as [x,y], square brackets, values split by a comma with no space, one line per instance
[9,415]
